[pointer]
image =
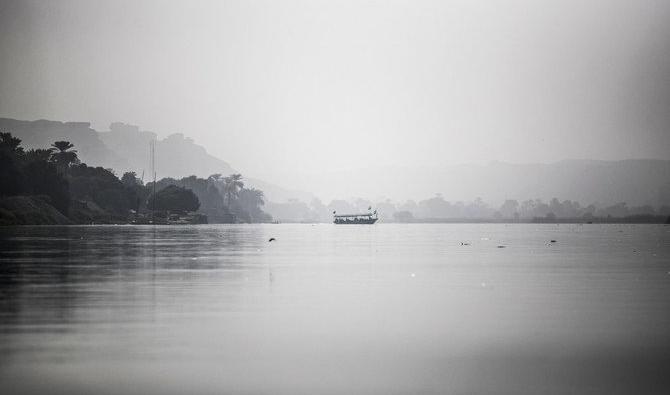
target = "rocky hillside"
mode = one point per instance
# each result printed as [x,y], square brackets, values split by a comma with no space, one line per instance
[126,148]
[122,148]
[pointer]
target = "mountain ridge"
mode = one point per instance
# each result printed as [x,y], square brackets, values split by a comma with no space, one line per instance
[635,181]
[125,147]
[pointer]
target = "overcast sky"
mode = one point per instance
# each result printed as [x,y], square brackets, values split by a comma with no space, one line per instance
[276,87]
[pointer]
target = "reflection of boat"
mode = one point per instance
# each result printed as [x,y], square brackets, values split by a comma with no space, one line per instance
[355,219]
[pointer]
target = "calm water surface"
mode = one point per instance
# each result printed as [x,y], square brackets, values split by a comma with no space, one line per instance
[325,309]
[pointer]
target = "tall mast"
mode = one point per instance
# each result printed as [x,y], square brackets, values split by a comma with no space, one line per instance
[153,170]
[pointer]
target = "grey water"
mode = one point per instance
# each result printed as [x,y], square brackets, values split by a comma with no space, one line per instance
[326,309]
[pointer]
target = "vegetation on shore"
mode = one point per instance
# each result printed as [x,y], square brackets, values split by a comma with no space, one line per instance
[52,186]
[437,209]
[28,210]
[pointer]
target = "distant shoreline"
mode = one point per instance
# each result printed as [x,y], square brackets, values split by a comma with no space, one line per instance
[635,219]
[658,219]
[36,210]
[444,222]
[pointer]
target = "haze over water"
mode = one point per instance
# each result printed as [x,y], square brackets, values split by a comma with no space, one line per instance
[324,309]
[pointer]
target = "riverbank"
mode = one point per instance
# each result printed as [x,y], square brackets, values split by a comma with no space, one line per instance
[30,210]
[631,219]
[37,210]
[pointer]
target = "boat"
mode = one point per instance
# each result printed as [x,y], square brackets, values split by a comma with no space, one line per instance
[355,219]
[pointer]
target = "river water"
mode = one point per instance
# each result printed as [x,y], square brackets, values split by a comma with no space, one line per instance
[326,309]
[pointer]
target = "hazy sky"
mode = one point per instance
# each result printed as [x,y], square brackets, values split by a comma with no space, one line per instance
[279,86]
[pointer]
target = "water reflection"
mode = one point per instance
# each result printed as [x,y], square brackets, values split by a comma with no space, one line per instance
[382,309]
[48,273]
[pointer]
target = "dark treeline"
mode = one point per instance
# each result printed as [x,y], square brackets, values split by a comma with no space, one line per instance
[52,186]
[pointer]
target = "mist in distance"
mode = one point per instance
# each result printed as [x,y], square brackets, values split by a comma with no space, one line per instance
[295,90]
[503,167]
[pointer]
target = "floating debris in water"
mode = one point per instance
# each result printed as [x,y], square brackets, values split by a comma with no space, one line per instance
[552,241]
[465,243]
[501,246]
[271,239]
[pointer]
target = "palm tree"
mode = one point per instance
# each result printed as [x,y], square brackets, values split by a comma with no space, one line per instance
[63,146]
[217,186]
[11,143]
[65,156]
[232,186]
[215,177]
[217,180]
[39,154]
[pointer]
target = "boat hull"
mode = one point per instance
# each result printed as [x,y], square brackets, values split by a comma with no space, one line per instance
[366,221]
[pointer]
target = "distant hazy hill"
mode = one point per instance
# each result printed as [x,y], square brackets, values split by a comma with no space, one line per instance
[276,193]
[126,148]
[176,156]
[636,182]
[123,148]
[41,134]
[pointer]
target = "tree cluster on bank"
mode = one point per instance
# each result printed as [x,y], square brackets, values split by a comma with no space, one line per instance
[52,186]
[222,199]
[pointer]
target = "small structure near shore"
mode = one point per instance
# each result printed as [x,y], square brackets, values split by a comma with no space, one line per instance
[168,218]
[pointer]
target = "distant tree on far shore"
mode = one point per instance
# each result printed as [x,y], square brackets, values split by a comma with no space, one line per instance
[403,216]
